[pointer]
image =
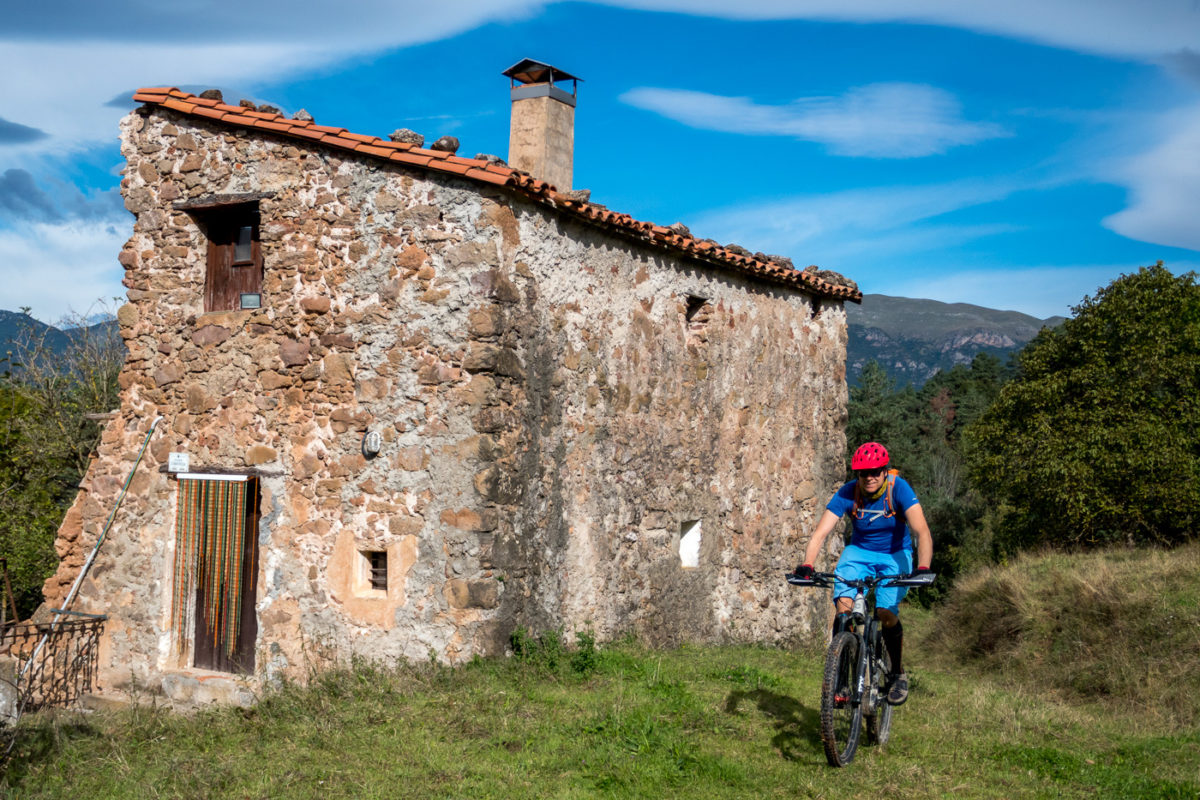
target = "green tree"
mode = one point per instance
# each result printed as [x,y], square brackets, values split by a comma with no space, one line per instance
[922,430]
[879,412]
[1097,439]
[46,441]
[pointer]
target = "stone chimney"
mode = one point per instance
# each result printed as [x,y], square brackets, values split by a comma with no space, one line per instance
[541,137]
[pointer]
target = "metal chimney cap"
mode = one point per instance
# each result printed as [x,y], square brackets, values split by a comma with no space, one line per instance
[527,70]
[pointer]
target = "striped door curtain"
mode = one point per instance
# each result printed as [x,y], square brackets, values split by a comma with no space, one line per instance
[210,531]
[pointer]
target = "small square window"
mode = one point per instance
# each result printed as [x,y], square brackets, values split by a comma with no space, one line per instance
[377,577]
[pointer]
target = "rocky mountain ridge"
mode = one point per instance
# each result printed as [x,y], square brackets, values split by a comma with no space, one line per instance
[913,338]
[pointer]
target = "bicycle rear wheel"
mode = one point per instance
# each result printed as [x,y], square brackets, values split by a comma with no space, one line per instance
[841,717]
[879,722]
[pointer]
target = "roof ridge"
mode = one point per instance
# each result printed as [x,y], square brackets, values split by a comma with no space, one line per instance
[483,171]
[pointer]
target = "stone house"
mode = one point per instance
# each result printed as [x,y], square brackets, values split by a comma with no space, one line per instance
[424,399]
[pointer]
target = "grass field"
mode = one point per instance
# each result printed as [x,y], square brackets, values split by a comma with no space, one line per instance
[618,721]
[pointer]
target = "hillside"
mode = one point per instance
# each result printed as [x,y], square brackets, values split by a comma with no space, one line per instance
[16,327]
[912,339]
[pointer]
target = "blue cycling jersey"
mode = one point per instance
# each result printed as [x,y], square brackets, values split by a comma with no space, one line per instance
[873,529]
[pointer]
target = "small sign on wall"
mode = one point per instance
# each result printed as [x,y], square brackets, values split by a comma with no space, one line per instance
[178,462]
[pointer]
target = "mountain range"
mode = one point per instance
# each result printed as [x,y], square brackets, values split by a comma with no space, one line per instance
[912,339]
[17,327]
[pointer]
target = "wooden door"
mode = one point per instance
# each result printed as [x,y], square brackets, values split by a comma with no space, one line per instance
[211,644]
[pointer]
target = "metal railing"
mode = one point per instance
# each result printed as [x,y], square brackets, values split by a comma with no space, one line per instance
[55,662]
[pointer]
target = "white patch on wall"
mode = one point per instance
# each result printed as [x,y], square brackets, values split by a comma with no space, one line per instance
[689,544]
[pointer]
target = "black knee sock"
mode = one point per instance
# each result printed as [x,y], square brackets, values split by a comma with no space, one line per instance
[841,622]
[893,640]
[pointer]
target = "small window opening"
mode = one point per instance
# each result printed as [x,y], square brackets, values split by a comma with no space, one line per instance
[696,307]
[689,544]
[377,577]
[243,250]
[234,276]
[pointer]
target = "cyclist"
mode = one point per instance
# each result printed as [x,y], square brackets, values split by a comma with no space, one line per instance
[883,509]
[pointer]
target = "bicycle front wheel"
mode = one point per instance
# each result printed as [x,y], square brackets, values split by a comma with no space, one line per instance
[879,719]
[841,715]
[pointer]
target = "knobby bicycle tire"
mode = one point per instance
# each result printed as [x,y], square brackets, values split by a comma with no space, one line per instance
[841,718]
[879,723]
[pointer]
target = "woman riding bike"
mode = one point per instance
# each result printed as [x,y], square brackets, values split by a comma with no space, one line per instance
[883,509]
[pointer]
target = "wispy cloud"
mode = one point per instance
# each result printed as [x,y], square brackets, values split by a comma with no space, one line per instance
[1145,29]
[826,229]
[20,198]
[14,133]
[1164,184]
[882,120]
[57,268]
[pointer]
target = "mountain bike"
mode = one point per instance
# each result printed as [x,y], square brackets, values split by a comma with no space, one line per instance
[857,667]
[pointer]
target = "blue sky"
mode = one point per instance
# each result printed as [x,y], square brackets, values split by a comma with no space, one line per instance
[1015,155]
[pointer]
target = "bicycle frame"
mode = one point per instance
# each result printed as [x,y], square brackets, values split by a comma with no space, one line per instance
[865,626]
[865,698]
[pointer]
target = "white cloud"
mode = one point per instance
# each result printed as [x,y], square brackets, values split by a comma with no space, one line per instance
[1164,187]
[62,88]
[60,268]
[62,62]
[883,120]
[1147,29]
[830,229]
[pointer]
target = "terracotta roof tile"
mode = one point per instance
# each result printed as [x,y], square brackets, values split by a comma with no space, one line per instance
[373,150]
[216,112]
[266,124]
[179,105]
[494,174]
[306,132]
[457,169]
[412,158]
[486,176]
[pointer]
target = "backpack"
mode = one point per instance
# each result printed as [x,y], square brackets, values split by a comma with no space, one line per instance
[857,511]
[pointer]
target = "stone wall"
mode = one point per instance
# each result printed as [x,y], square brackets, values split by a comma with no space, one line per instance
[552,420]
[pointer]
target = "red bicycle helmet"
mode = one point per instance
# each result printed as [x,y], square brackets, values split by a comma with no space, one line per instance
[871,455]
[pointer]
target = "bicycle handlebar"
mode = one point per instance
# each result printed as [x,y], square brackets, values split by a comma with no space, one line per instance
[827,578]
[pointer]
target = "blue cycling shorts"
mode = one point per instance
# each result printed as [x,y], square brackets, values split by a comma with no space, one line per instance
[857,563]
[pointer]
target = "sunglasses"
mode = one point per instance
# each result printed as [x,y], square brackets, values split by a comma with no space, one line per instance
[870,473]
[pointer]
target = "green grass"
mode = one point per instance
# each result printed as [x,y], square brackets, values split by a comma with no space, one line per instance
[1118,627]
[693,722]
[1004,704]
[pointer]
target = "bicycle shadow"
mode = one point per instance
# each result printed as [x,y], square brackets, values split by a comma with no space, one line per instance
[798,727]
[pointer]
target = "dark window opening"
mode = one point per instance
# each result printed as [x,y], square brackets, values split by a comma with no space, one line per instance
[696,305]
[377,570]
[234,277]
